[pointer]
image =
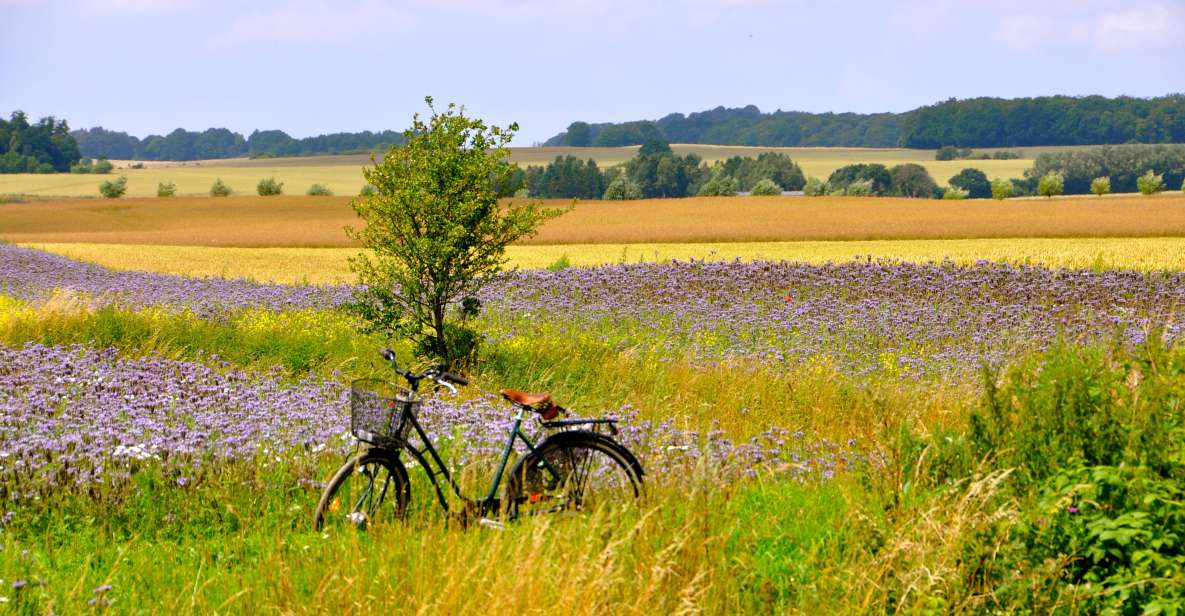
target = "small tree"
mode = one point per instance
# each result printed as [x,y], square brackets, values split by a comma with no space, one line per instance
[955,193]
[1100,186]
[166,189]
[1001,189]
[317,190]
[766,188]
[622,188]
[114,189]
[219,189]
[1051,184]
[436,230]
[974,181]
[269,187]
[84,165]
[720,185]
[814,188]
[102,166]
[860,188]
[1150,183]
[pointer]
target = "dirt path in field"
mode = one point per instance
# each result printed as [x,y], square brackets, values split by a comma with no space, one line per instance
[318,221]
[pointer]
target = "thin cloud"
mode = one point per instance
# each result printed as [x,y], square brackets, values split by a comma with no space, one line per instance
[1148,27]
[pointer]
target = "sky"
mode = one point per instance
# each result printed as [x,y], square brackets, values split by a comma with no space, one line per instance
[312,67]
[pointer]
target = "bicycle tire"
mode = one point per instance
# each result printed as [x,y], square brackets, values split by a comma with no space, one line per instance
[583,459]
[369,467]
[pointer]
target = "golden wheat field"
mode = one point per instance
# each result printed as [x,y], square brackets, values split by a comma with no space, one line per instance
[343,173]
[286,221]
[331,265]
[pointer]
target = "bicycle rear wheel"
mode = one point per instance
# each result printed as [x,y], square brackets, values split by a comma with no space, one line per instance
[573,471]
[372,487]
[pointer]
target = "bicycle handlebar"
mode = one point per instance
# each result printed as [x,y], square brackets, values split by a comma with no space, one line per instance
[437,374]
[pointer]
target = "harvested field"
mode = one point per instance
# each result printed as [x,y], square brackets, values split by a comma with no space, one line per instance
[330,265]
[318,221]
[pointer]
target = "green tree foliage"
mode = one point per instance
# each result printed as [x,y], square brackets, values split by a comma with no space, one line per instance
[774,166]
[973,181]
[659,172]
[950,152]
[114,189]
[766,188]
[219,189]
[41,147]
[222,143]
[566,178]
[1051,184]
[879,177]
[368,190]
[1100,186]
[719,185]
[166,189]
[622,188]
[1047,120]
[814,187]
[1001,189]
[436,232]
[1122,163]
[102,166]
[912,180]
[579,135]
[955,193]
[972,123]
[268,187]
[859,188]
[319,190]
[1150,183]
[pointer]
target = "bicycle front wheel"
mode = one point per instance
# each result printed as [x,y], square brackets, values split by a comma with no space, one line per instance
[573,471]
[372,487]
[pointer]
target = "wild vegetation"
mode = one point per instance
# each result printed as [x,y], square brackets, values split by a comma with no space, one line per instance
[42,147]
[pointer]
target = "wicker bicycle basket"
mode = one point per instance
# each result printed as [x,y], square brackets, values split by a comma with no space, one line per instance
[379,412]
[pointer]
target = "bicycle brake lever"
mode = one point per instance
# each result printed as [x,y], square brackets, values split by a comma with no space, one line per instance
[445,384]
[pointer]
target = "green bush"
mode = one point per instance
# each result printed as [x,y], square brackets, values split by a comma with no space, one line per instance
[814,188]
[84,165]
[318,190]
[766,188]
[114,189]
[1150,183]
[219,189]
[1100,186]
[1001,189]
[719,186]
[368,190]
[954,193]
[912,180]
[269,187]
[166,189]
[623,188]
[102,166]
[1051,184]
[859,188]
[973,181]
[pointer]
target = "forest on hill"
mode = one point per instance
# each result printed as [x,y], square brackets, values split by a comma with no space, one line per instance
[975,123]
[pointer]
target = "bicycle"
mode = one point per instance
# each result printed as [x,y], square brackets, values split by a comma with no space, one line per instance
[569,469]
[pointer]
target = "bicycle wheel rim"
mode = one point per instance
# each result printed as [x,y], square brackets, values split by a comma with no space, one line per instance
[366,491]
[574,477]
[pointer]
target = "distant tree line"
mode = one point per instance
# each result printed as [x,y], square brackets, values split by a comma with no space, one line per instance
[223,143]
[42,147]
[658,172]
[1122,165]
[971,123]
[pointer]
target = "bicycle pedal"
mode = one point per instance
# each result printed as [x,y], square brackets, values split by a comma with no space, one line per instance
[492,524]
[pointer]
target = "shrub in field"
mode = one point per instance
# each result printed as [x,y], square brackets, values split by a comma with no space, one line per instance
[268,187]
[436,233]
[1001,189]
[1150,183]
[954,193]
[114,189]
[719,186]
[766,188]
[862,188]
[102,165]
[560,264]
[1051,184]
[1100,186]
[973,181]
[1122,163]
[814,187]
[950,152]
[367,191]
[622,188]
[219,189]
[911,180]
[319,190]
[166,189]
[84,165]
[44,168]
[877,174]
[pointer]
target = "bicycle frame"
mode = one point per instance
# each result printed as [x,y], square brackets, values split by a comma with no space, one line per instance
[490,502]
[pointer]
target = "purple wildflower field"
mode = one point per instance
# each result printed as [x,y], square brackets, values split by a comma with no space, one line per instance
[80,417]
